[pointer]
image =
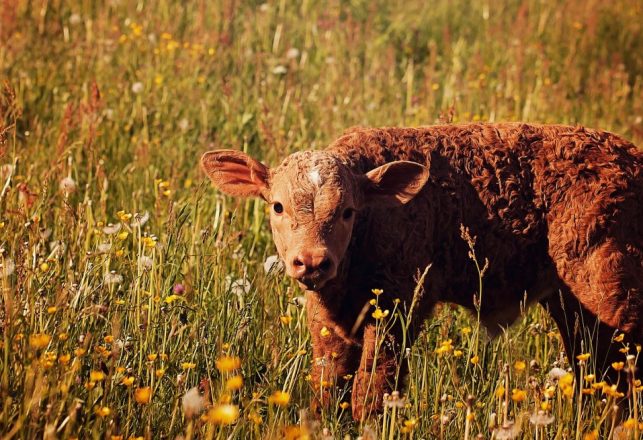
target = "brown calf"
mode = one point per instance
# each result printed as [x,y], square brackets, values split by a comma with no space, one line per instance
[557,210]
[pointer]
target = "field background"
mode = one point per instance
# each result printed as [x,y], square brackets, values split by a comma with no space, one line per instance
[105,109]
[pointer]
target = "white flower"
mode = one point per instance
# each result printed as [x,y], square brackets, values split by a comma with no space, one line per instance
[541,418]
[292,53]
[139,219]
[239,286]
[112,229]
[137,87]
[395,401]
[193,403]
[508,431]
[74,19]
[145,261]
[67,185]
[184,124]
[279,70]
[113,278]
[273,264]
[6,268]
[556,373]
[104,247]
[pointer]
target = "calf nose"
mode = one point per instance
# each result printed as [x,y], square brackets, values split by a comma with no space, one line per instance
[309,263]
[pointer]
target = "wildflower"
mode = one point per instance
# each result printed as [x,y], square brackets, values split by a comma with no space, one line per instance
[344,405]
[159,373]
[556,373]
[395,401]
[292,53]
[279,398]
[541,418]
[193,402]
[64,359]
[475,360]
[145,262]
[285,319]
[178,289]
[51,310]
[39,340]
[324,332]
[226,364]
[377,292]
[104,248]
[592,435]
[589,377]
[500,392]
[255,418]
[137,87]
[225,414]
[619,338]
[518,395]
[520,365]
[79,352]
[44,267]
[583,357]
[139,219]
[466,330]
[152,357]
[188,365]
[508,431]
[618,366]
[279,70]
[6,268]
[273,264]
[170,299]
[96,376]
[103,411]
[143,395]
[379,314]
[234,383]
[67,185]
[112,278]
[109,339]
[127,381]
[457,353]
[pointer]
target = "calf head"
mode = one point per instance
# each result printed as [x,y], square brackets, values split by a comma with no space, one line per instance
[314,200]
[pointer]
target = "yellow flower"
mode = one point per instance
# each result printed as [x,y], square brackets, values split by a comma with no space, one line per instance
[518,395]
[280,398]
[39,340]
[475,360]
[170,299]
[64,359]
[566,381]
[583,357]
[466,331]
[234,383]
[592,435]
[285,319]
[51,310]
[520,365]
[188,365]
[123,216]
[152,357]
[149,242]
[457,353]
[143,395]
[44,267]
[344,405]
[159,373]
[618,366]
[324,332]
[377,292]
[63,336]
[225,414]
[500,392]
[79,352]
[619,338]
[128,381]
[545,406]
[373,301]
[96,376]
[589,378]
[103,411]
[379,314]
[122,235]
[226,364]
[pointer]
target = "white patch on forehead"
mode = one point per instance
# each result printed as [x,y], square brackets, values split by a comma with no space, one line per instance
[315,177]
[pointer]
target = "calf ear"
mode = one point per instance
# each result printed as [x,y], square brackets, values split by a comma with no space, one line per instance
[394,184]
[235,173]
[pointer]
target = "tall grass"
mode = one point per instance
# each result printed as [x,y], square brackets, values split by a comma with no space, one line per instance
[125,277]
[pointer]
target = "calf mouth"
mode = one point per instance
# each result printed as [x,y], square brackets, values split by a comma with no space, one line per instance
[311,283]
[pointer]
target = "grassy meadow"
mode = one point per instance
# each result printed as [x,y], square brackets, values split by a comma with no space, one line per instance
[135,298]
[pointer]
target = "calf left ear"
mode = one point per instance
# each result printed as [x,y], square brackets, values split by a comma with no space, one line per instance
[235,173]
[394,184]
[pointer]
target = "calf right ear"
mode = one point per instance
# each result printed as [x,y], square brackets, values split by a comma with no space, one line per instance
[235,173]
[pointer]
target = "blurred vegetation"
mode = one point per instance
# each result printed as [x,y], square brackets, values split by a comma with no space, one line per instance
[104,111]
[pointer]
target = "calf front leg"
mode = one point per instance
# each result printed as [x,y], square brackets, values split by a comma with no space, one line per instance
[377,373]
[335,356]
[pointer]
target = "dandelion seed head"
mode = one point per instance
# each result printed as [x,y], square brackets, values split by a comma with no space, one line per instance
[113,278]
[137,87]
[7,267]
[111,229]
[193,402]
[139,219]
[67,185]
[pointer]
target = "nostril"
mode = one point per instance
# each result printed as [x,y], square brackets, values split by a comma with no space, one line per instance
[298,262]
[325,264]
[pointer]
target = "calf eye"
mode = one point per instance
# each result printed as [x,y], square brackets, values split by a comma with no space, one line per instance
[347,214]
[278,207]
